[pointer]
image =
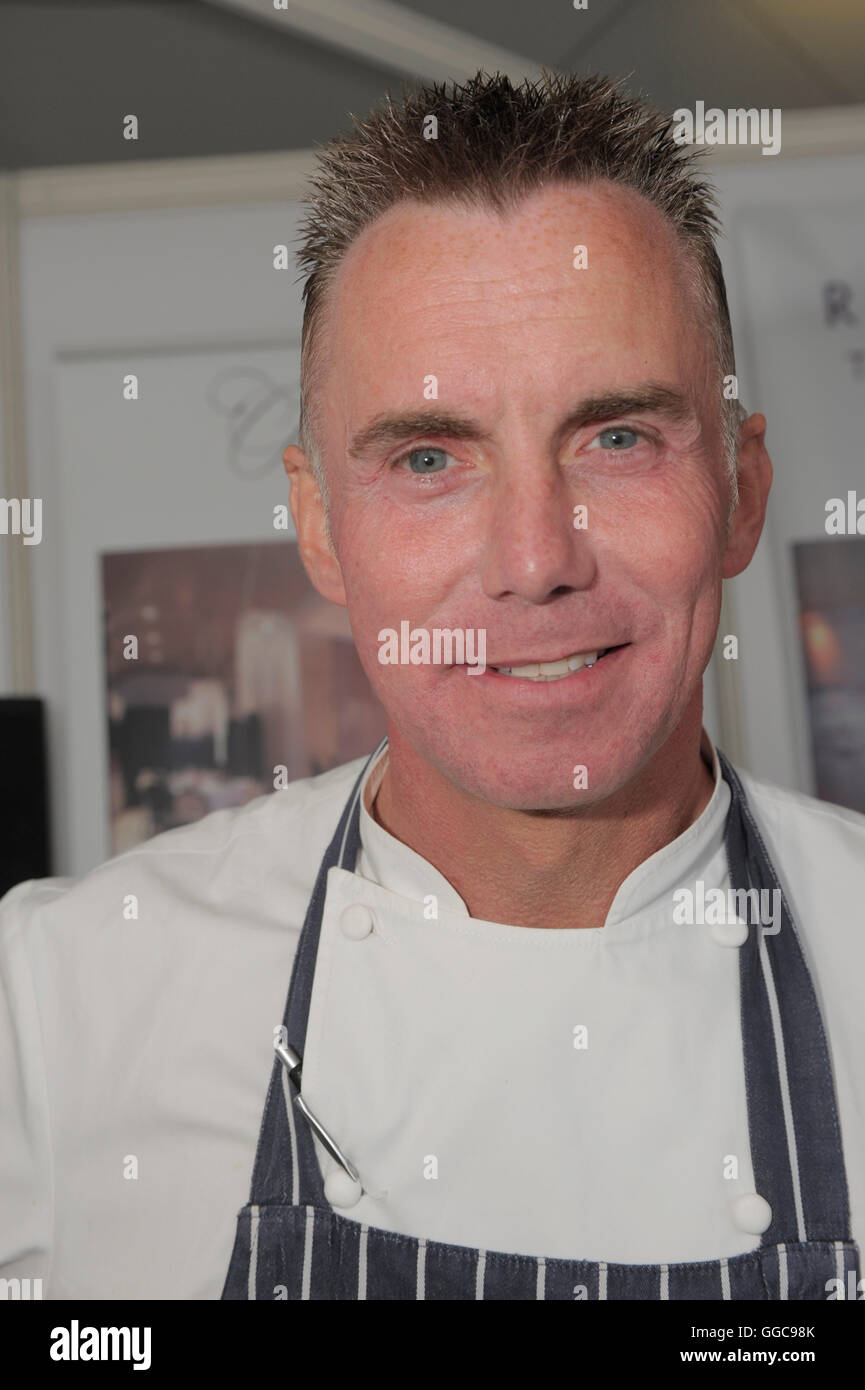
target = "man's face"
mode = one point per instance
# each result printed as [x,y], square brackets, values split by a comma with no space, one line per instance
[471,525]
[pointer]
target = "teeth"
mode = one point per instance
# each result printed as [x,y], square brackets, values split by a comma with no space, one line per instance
[552,670]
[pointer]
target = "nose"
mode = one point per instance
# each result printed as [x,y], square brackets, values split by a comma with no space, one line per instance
[533,550]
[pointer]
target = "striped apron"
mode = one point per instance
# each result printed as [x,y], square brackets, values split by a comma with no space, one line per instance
[291,1244]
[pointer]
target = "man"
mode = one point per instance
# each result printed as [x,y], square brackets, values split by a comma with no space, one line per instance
[570,1012]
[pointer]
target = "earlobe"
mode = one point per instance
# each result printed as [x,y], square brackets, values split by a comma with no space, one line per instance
[755,481]
[310,522]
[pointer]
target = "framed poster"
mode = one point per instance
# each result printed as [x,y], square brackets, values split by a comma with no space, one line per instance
[226,676]
[830,578]
[185,300]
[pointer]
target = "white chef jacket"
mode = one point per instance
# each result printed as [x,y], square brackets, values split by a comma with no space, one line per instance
[445,1054]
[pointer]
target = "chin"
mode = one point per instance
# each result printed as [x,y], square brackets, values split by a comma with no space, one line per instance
[529,792]
[520,779]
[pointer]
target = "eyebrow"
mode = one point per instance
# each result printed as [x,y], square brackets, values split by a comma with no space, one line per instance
[645,398]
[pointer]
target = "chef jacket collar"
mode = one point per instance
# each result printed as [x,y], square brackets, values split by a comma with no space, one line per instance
[387,861]
[394,866]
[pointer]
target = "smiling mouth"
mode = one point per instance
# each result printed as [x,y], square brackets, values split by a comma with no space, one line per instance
[554,670]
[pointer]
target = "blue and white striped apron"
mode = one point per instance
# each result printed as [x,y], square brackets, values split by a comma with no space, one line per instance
[291,1244]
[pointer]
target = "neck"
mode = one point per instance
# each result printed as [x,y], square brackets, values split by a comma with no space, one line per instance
[530,869]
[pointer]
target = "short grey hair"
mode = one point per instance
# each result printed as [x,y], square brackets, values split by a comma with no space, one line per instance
[497,143]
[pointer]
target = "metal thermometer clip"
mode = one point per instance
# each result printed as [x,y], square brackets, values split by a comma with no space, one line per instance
[292,1063]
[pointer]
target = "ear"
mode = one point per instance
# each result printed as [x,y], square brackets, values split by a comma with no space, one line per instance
[313,539]
[755,480]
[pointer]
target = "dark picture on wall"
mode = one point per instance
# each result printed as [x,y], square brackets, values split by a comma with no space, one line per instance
[226,675]
[830,577]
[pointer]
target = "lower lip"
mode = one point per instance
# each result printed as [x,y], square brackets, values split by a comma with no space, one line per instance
[587,682]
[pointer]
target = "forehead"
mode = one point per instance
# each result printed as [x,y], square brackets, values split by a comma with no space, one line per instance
[471,292]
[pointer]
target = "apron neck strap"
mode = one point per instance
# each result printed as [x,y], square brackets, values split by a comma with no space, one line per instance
[268,1177]
[795,1137]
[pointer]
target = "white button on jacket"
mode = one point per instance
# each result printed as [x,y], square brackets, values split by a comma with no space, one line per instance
[752,1213]
[356,921]
[732,933]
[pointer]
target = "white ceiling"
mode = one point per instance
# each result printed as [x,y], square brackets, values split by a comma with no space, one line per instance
[237,76]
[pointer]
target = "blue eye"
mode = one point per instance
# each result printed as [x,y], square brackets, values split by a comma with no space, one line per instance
[618,438]
[427,460]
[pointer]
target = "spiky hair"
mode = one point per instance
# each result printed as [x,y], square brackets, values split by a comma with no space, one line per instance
[495,144]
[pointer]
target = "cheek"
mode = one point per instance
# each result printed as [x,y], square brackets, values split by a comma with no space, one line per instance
[673,544]
[398,561]
[685,577]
